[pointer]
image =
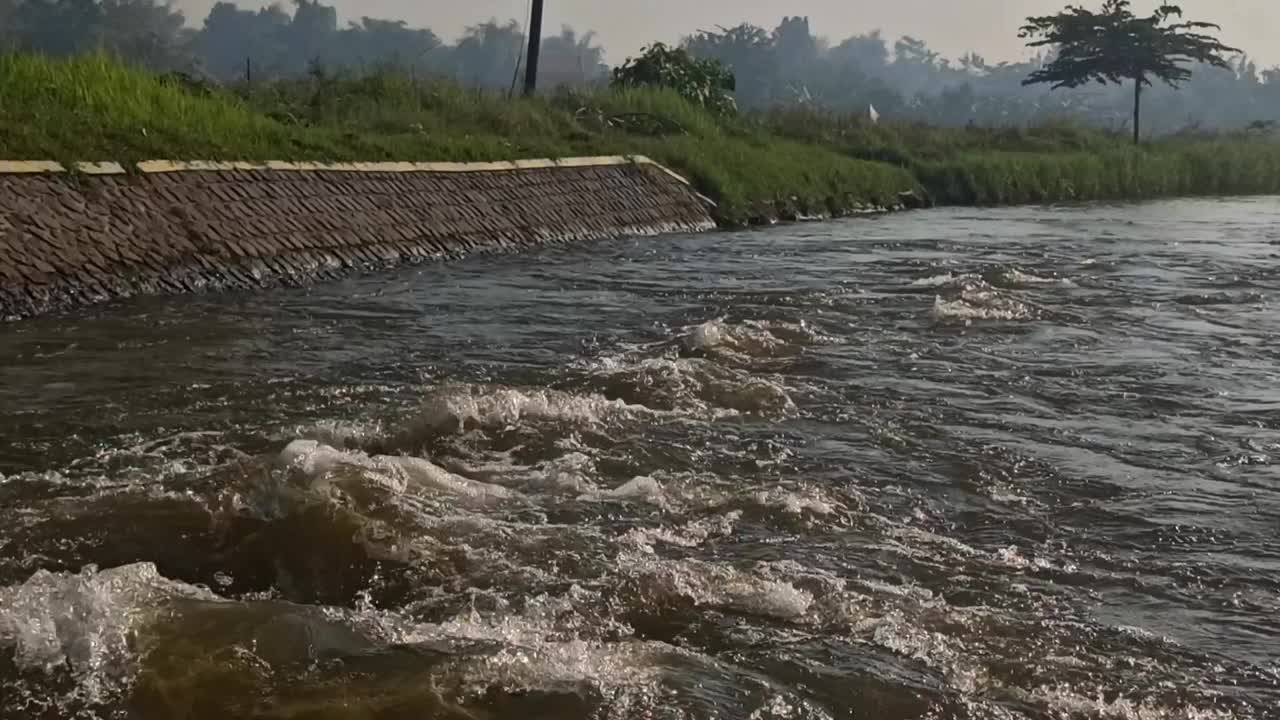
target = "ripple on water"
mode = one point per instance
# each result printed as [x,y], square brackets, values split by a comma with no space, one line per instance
[1000,464]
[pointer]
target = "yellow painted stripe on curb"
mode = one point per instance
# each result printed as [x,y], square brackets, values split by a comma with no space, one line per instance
[162,166]
[27,167]
[100,168]
[12,167]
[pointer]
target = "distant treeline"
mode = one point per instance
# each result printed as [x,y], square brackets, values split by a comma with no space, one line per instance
[785,66]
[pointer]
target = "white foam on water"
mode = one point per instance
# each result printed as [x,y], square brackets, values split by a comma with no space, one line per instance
[1066,701]
[527,661]
[912,592]
[897,633]
[916,543]
[538,649]
[979,307]
[1014,277]
[47,477]
[919,543]
[903,631]
[1010,497]
[310,457]
[1139,633]
[341,433]
[1008,277]
[697,387]
[966,298]
[85,622]
[454,408]
[752,338]
[94,624]
[714,585]
[719,381]
[571,473]
[787,707]
[319,470]
[795,503]
[566,664]
[638,489]
[1014,558]
[944,280]
[753,395]
[688,535]
[706,336]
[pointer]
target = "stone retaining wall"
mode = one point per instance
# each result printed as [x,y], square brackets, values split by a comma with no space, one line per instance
[71,239]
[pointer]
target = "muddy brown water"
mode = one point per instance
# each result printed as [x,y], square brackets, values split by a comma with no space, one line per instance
[948,464]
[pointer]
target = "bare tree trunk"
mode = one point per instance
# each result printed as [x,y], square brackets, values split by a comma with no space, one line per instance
[1137,110]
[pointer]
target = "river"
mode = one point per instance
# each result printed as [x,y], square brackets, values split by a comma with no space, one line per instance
[957,463]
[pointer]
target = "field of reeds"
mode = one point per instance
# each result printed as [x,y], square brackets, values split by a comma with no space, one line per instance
[757,167]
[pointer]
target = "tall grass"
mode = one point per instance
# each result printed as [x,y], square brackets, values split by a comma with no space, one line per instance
[95,108]
[755,167]
[1056,162]
[92,108]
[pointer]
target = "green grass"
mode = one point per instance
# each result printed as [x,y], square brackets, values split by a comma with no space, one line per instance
[1223,167]
[92,108]
[1053,163]
[758,167]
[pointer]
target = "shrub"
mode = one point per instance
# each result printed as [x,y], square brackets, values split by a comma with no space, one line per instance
[703,82]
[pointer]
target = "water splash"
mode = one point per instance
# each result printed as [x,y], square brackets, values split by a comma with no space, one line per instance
[85,623]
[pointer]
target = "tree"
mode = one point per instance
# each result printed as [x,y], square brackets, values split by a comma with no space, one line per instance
[796,54]
[1114,45]
[371,43]
[487,54]
[56,27]
[748,52]
[916,69]
[868,53]
[309,37]
[152,34]
[703,82]
[234,41]
[571,60]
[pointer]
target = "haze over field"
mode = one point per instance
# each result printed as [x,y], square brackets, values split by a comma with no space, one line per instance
[950,64]
[984,26]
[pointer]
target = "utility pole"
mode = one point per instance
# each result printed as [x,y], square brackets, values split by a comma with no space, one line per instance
[535,48]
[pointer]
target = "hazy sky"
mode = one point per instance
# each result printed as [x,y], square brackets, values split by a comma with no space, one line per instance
[949,26]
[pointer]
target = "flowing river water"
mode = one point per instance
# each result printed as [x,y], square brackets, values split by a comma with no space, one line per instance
[947,464]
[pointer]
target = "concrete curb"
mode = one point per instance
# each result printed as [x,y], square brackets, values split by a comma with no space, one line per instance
[27,167]
[165,226]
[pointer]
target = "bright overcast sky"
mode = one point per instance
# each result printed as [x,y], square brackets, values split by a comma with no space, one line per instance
[950,26]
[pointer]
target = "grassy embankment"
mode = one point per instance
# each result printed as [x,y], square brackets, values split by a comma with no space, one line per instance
[92,108]
[1053,163]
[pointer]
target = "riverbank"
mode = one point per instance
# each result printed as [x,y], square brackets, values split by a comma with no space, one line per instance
[111,232]
[755,168]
